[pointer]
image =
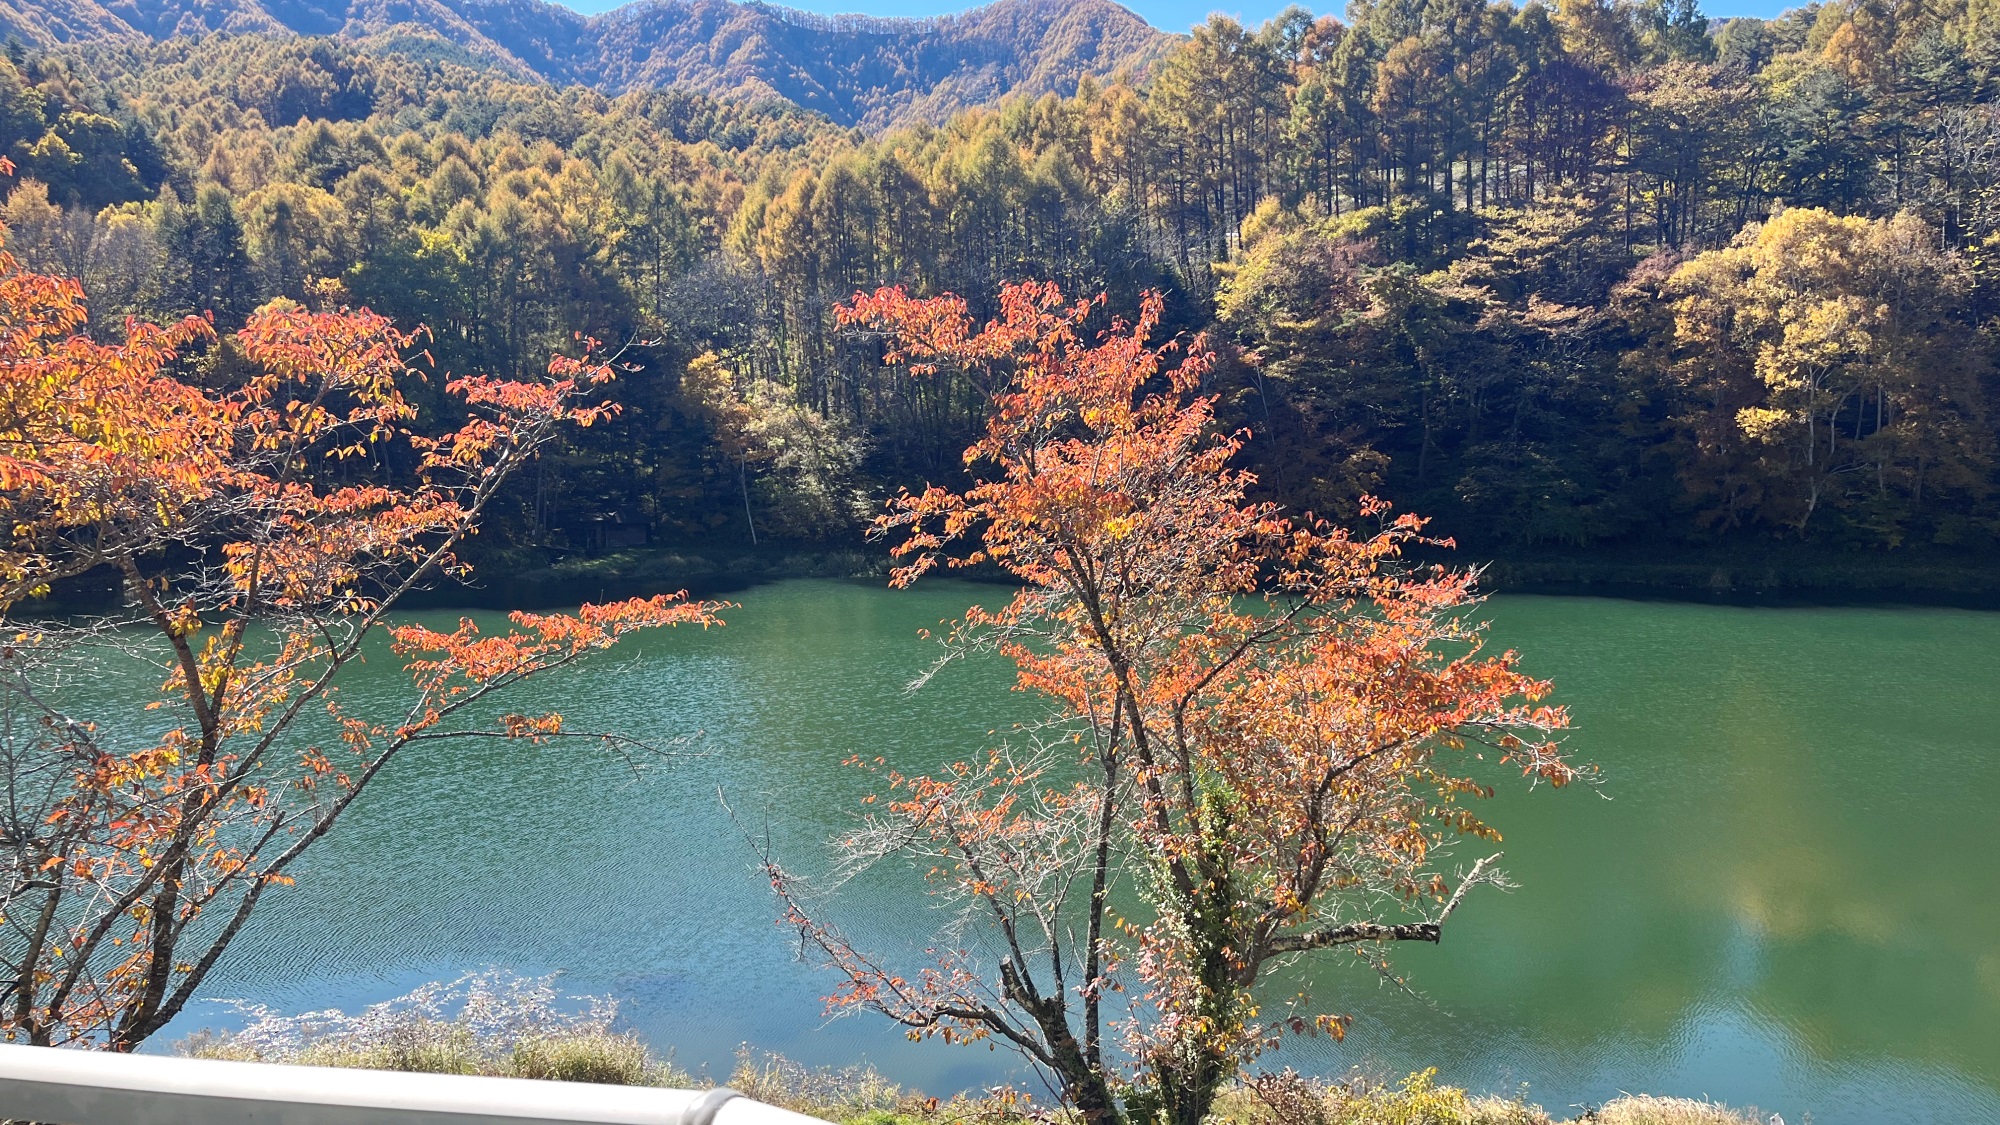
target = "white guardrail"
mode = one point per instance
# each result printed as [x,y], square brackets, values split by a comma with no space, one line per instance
[64,1087]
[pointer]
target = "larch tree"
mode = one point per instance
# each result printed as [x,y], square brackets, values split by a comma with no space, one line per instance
[262,533]
[1264,736]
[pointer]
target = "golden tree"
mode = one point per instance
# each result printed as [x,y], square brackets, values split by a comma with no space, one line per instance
[1834,369]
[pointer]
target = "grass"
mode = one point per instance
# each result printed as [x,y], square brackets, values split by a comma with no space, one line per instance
[1644,1109]
[617,1060]
[501,1025]
[857,1095]
[601,1057]
[1289,1099]
[862,1096]
[494,1024]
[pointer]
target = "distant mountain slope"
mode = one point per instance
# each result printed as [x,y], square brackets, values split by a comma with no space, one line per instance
[854,69]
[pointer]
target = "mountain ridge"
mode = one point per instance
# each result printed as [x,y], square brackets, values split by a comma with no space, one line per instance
[858,70]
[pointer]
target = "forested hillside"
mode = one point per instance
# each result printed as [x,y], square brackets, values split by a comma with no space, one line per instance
[1604,276]
[855,70]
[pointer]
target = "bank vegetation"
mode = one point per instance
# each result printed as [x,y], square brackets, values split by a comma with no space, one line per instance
[501,1025]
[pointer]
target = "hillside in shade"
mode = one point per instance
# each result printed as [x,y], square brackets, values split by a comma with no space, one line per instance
[855,69]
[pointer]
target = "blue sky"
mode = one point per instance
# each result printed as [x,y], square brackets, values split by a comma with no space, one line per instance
[1169,15]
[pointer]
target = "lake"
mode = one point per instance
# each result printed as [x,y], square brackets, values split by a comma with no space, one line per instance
[1785,893]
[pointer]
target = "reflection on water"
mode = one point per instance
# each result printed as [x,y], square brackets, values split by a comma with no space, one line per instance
[1785,895]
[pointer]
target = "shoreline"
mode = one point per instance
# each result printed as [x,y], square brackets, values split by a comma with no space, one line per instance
[1764,579]
[1778,578]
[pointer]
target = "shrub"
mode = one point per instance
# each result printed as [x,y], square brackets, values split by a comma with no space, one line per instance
[1291,1099]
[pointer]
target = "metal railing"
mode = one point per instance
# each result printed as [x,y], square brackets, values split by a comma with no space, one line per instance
[66,1087]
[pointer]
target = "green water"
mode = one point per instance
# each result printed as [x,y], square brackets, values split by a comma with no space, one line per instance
[1786,894]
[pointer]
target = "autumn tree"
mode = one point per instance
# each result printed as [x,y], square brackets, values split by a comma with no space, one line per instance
[807,461]
[1833,370]
[262,532]
[1265,729]
[1580,139]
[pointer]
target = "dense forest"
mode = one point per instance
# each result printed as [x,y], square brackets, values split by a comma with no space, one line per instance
[854,69]
[1603,275]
